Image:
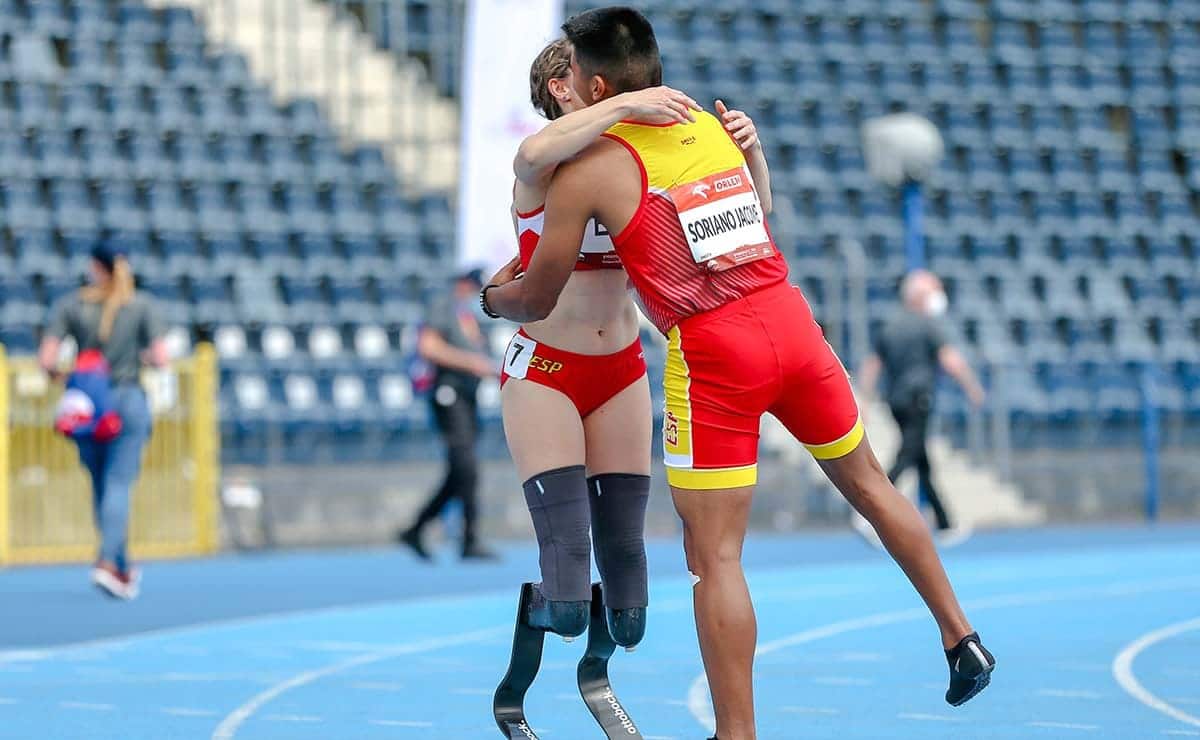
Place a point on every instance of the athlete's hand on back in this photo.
(739, 125)
(656, 102)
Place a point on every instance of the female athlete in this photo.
(575, 397)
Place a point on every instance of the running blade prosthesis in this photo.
(508, 705)
(594, 686)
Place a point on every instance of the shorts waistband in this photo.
(634, 348)
(736, 305)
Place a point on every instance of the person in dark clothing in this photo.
(452, 342)
(909, 353)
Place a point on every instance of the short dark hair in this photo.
(618, 44)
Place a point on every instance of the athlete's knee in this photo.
(705, 561)
(618, 507)
(558, 505)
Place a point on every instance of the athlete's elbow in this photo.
(526, 164)
(538, 307)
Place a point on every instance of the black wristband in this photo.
(483, 302)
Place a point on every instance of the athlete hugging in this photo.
(682, 195)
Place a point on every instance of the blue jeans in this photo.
(114, 467)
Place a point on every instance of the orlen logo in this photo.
(728, 183)
(618, 712)
(701, 190)
(524, 728)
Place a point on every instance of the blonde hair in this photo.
(553, 63)
(119, 292)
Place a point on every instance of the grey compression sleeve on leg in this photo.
(618, 502)
(558, 505)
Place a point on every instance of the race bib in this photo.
(722, 220)
(518, 356)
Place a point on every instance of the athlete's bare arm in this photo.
(745, 134)
(565, 137)
(601, 183)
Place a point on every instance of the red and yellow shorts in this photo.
(727, 367)
(589, 381)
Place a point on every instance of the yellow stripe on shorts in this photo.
(841, 447)
(711, 480)
(677, 416)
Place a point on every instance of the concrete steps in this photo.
(301, 49)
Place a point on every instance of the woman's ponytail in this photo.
(117, 293)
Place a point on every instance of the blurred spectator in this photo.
(453, 343)
(125, 326)
(908, 353)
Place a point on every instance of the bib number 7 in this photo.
(518, 355)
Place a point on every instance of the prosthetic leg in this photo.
(536, 615)
(508, 705)
(592, 674)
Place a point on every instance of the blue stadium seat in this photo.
(283, 164)
(179, 27)
(185, 65)
(148, 157)
(172, 112)
(195, 161)
(136, 64)
(136, 23)
(91, 21)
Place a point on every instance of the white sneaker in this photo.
(114, 583)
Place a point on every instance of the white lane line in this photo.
(229, 726)
(1185, 733)
(86, 706)
(104, 645)
(918, 717)
(292, 718)
(1064, 726)
(399, 723)
(1122, 669)
(698, 699)
(1070, 694)
(188, 712)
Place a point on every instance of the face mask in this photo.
(937, 304)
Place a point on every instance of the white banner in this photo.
(502, 39)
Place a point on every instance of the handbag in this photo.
(87, 409)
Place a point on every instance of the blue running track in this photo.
(1097, 634)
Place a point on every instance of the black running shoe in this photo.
(971, 667)
(412, 538)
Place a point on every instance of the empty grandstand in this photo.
(1063, 219)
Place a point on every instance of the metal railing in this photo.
(46, 510)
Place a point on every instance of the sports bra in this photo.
(596, 252)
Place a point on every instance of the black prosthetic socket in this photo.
(557, 501)
(618, 504)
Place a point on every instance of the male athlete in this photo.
(689, 228)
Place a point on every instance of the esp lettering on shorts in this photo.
(537, 362)
(671, 429)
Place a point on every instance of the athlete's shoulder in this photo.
(596, 158)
